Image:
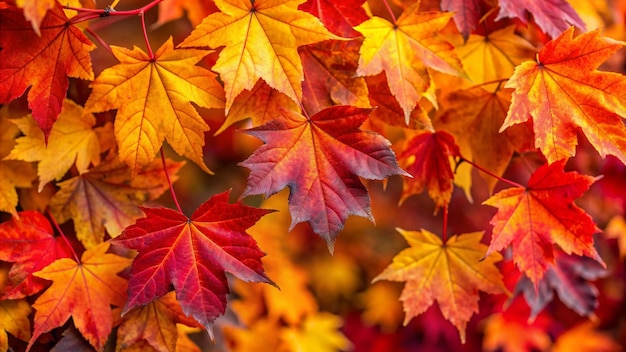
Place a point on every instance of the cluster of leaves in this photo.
(480, 104)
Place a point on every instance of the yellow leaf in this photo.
(451, 273)
(617, 229)
(405, 50)
(318, 333)
(14, 320)
(585, 338)
(261, 40)
(153, 96)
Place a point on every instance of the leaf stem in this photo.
(393, 16)
(444, 230)
(67, 242)
(145, 35)
(169, 182)
(100, 40)
(512, 183)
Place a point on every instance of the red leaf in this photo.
(28, 242)
(320, 159)
(552, 16)
(41, 62)
(339, 16)
(426, 158)
(466, 14)
(193, 254)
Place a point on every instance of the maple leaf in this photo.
(14, 174)
(426, 157)
(85, 291)
(552, 16)
(320, 159)
(72, 141)
(405, 50)
(329, 79)
(562, 91)
(511, 335)
(569, 276)
(28, 242)
(466, 14)
(473, 116)
(318, 333)
(35, 11)
(154, 323)
(196, 10)
(193, 254)
(262, 104)
(585, 337)
(14, 320)
(493, 56)
(250, 30)
(42, 63)
(451, 273)
(534, 218)
(339, 16)
(153, 96)
(107, 197)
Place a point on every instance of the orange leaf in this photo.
(85, 291)
(585, 338)
(320, 159)
(41, 62)
(153, 97)
(512, 335)
(405, 50)
(426, 157)
(563, 91)
(14, 320)
(319, 332)
(451, 273)
(261, 40)
(534, 218)
(72, 141)
(107, 197)
(154, 323)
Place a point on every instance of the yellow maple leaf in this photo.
(405, 50)
(450, 272)
(14, 320)
(153, 96)
(72, 141)
(317, 333)
(261, 40)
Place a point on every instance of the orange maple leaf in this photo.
(153, 96)
(451, 273)
(562, 91)
(404, 50)
(41, 62)
(261, 40)
(534, 218)
(84, 290)
(14, 320)
(320, 159)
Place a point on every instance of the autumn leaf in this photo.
(553, 17)
(534, 218)
(261, 104)
(493, 56)
(72, 141)
(339, 16)
(261, 336)
(451, 273)
(193, 254)
(426, 157)
(570, 277)
(585, 337)
(153, 96)
(381, 306)
(616, 228)
(473, 116)
(329, 76)
(14, 320)
(511, 335)
(320, 159)
(28, 242)
(250, 30)
(562, 91)
(154, 323)
(82, 290)
(41, 62)
(107, 197)
(466, 14)
(317, 333)
(404, 50)
(196, 10)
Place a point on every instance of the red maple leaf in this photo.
(193, 254)
(339, 16)
(320, 159)
(42, 63)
